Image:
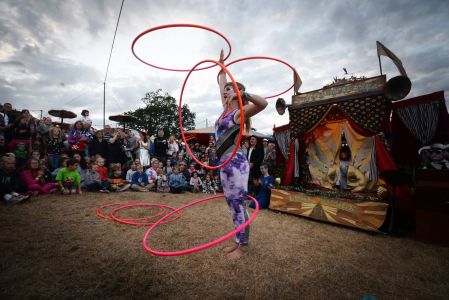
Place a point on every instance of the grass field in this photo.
(55, 247)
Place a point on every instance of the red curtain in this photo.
(289, 169)
(405, 203)
(384, 162)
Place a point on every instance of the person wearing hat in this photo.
(437, 157)
(269, 158)
(265, 147)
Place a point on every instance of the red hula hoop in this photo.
(98, 211)
(242, 117)
(178, 25)
(129, 221)
(201, 247)
(269, 58)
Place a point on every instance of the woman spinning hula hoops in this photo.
(234, 176)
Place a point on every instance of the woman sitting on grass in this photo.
(33, 179)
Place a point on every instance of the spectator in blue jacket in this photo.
(140, 180)
(176, 181)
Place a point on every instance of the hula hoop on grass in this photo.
(201, 247)
(98, 211)
(242, 117)
(177, 25)
(269, 58)
(129, 221)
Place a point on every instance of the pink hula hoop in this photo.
(201, 247)
(269, 58)
(129, 221)
(242, 117)
(177, 25)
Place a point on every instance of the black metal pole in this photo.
(104, 104)
(380, 65)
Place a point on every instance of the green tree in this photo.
(161, 111)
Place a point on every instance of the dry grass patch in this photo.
(55, 247)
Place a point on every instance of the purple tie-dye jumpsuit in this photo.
(234, 180)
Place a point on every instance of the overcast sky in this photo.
(53, 54)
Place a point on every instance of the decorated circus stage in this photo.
(368, 214)
(381, 140)
(349, 115)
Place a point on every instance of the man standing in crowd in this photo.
(160, 146)
(255, 158)
(107, 133)
(6, 121)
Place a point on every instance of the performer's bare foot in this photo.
(237, 253)
(229, 249)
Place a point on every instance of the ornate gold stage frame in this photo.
(367, 215)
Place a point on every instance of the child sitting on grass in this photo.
(217, 183)
(92, 181)
(130, 173)
(140, 180)
(168, 167)
(103, 171)
(116, 182)
(209, 185)
(62, 164)
(177, 181)
(195, 183)
(68, 179)
(162, 182)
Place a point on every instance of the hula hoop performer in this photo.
(234, 176)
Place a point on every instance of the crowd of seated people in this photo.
(40, 157)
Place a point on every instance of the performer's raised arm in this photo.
(255, 105)
(222, 80)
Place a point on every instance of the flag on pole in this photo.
(297, 82)
(382, 50)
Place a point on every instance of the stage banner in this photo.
(367, 215)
